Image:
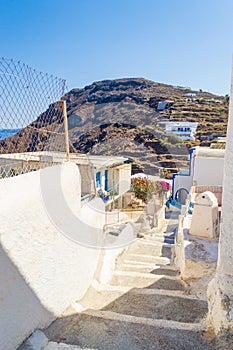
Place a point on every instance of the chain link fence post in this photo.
(64, 113)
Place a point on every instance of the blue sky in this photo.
(180, 42)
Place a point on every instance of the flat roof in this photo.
(57, 157)
(181, 123)
(209, 152)
(106, 161)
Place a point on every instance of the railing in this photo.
(32, 117)
(109, 195)
(113, 191)
(87, 198)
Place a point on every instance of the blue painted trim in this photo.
(106, 180)
(176, 204)
(173, 181)
(182, 188)
(98, 179)
(190, 170)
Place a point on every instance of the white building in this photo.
(112, 179)
(103, 176)
(190, 94)
(51, 249)
(183, 130)
(164, 104)
(205, 169)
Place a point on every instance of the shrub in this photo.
(145, 188)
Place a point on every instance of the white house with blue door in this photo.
(112, 177)
(182, 130)
(205, 169)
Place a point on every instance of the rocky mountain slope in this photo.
(120, 117)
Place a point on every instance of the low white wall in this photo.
(195, 257)
(182, 181)
(179, 247)
(41, 270)
(111, 254)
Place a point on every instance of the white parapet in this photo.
(42, 271)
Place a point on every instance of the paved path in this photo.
(145, 305)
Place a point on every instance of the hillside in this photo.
(120, 117)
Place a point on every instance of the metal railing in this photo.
(32, 117)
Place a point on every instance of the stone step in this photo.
(98, 299)
(105, 330)
(155, 306)
(165, 292)
(136, 274)
(105, 288)
(105, 295)
(147, 250)
(163, 323)
(136, 257)
(145, 267)
(154, 282)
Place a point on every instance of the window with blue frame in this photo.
(97, 178)
(106, 180)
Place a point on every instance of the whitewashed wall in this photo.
(220, 290)
(182, 181)
(205, 171)
(41, 271)
(124, 178)
(208, 171)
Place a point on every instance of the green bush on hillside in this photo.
(171, 139)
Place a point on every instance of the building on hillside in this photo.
(164, 104)
(205, 170)
(190, 94)
(182, 130)
(221, 143)
(106, 177)
(181, 87)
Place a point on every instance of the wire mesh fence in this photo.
(31, 118)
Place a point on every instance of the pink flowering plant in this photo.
(162, 186)
(144, 188)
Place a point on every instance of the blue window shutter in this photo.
(106, 180)
(97, 179)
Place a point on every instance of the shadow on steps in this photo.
(104, 333)
(164, 307)
(167, 283)
(167, 272)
